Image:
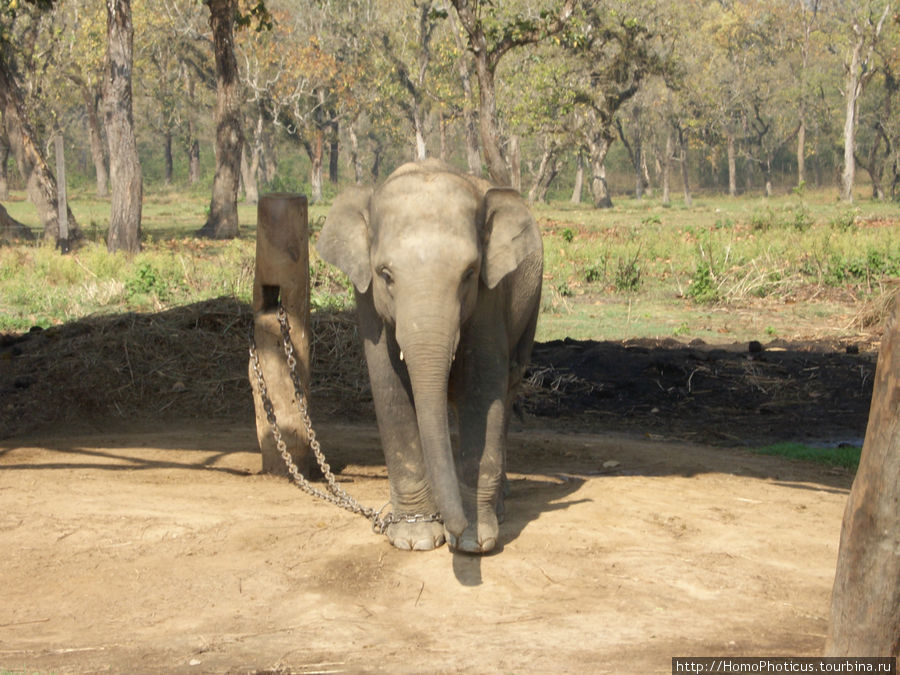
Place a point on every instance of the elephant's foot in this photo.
(480, 536)
(416, 536)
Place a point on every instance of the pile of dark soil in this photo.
(191, 362)
(739, 393)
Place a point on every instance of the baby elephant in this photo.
(447, 271)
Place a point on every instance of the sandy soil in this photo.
(164, 550)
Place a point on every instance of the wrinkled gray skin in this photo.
(447, 272)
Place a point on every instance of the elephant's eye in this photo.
(469, 274)
(386, 274)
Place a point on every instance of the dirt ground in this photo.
(638, 527)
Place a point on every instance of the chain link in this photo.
(335, 495)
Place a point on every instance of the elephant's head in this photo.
(425, 244)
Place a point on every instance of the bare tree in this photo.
(487, 54)
(866, 31)
(40, 181)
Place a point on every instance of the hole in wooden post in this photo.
(270, 298)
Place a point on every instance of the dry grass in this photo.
(186, 362)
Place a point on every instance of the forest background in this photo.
(641, 104)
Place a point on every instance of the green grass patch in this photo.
(726, 269)
(846, 457)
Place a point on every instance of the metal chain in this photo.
(335, 494)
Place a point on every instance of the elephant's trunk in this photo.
(428, 353)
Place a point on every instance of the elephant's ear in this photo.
(512, 235)
(344, 240)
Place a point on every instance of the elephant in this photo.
(447, 272)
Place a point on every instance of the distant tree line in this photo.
(542, 95)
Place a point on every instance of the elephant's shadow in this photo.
(527, 499)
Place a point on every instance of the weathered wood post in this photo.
(282, 278)
(865, 602)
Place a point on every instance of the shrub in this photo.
(628, 274)
(703, 287)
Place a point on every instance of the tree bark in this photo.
(355, 160)
(853, 88)
(865, 602)
(124, 166)
(515, 164)
(39, 179)
(333, 155)
(167, 152)
(667, 167)
(801, 152)
(4, 166)
(419, 126)
(598, 147)
(192, 144)
(682, 142)
(92, 102)
(859, 71)
(315, 151)
(732, 167)
(222, 222)
(578, 187)
(250, 162)
(545, 174)
(487, 121)
(487, 96)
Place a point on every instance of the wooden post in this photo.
(282, 277)
(865, 603)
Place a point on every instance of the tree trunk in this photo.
(355, 160)
(545, 174)
(865, 602)
(124, 166)
(682, 142)
(487, 121)
(167, 150)
(442, 130)
(859, 71)
(249, 170)
(768, 175)
(92, 102)
(193, 159)
(515, 164)
(333, 155)
(39, 179)
(192, 144)
(598, 147)
(250, 161)
(418, 125)
(62, 200)
(222, 222)
(667, 167)
(801, 152)
(578, 187)
(4, 166)
(377, 156)
(635, 152)
(853, 87)
(315, 151)
(732, 167)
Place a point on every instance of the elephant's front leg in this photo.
(410, 493)
(482, 409)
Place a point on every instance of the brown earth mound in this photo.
(191, 362)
